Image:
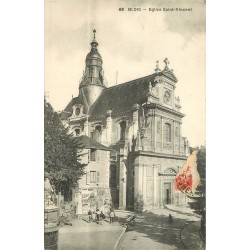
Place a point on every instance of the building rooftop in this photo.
(122, 97)
(87, 142)
(119, 98)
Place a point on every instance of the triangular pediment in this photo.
(170, 74)
(169, 172)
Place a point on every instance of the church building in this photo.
(139, 124)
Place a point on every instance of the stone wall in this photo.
(92, 195)
(150, 175)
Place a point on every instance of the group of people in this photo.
(97, 216)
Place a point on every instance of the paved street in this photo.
(153, 231)
(89, 236)
(190, 234)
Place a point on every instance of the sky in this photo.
(130, 42)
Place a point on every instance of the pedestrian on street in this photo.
(170, 218)
(89, 216)
(102, 217)
(112, 215)
(98, 215)
(93, 216)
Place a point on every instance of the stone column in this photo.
(109, 127)
(161, 192)
(122, 181)
(173, 133)
(162, 134)
(138, 145)
(144, 190)
(135, 119)
(153, 131)
(136, 181)
(155, 183)
(186, 147)
(179, 134)
(86, 127)
(173, 136)
(139, 179)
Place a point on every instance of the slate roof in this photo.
(122, 97)
(119, 98)
(67, 112)
(87, 142)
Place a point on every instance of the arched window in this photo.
(167, 132)
(77, 131)
(77, 111)
(98, 128)
(96, 134)
(122, 130)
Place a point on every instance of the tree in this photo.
(198, 203)
(61, 157)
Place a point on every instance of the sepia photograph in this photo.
(124, 124)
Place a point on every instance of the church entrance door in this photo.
(167, 193)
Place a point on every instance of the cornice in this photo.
(158, 106)
(160, 155)
(77, 118)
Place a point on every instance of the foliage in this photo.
(61, 155)
(198, 204)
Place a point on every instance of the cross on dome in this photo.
(94, 43)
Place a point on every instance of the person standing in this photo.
(93, 216)
(98, 215)
(89, 215)
(112, 215)
(102, 217)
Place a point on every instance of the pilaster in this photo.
(173, 136)
(155, 183)
(86, 127)
(144, 189)
(162, 134)
(109, 127)
(122, 182)
(135, 119)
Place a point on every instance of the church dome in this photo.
(94, 54)
(94, 74)
(94, 57)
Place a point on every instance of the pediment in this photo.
(168, 172)
(170, 74)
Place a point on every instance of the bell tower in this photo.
(92, 82)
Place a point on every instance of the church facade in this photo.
(140, 123)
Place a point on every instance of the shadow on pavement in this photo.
(157, 228)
